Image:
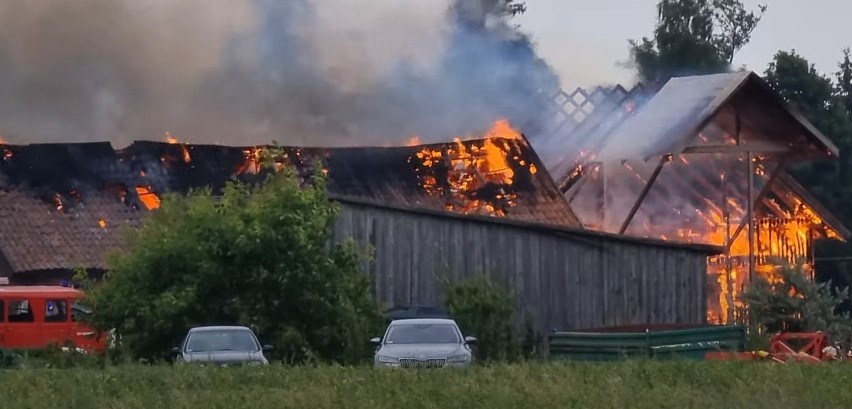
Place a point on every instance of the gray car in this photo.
(223, 346)
(423, 343)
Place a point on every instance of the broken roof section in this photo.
(742, 101)
(626, 141)
(61, 205)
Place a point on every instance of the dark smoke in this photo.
(252, 71)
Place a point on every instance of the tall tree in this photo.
(693, 37)
(823, 102)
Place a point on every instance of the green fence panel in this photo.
(691, 343)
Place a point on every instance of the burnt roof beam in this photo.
(663, 160)
(754, 147)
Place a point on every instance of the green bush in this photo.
(638, 385)
(486, 311)
(796, 303)
(256, 256)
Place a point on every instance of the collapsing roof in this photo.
(643, 144)
(61, 204)
(669, 122)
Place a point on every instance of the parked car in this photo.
(423, 343)
(33, 317)
(401, 312)
(221, 345)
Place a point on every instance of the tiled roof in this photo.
(97, 183)
(34, 235)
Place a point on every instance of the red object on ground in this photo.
(781, 347)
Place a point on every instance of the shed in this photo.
(62, 205)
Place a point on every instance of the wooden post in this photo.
(750, 217)
(763, 192)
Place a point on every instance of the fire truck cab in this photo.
(38, 316)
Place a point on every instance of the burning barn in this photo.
(700, 160)
(468, 207)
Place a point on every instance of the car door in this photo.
(22, 328)
(55, 325)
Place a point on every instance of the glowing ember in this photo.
(6, 152)
(102, 223)
(57, 202)
(148, 197)
(480, 176)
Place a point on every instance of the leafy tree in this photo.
(486, 311)
(822, 101)
(793, 302)
(256, 256)
(693, 37)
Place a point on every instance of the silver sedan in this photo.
(423, 343)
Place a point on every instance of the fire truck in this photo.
(33, 317)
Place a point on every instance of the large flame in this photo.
(686, 205)
(480, 174)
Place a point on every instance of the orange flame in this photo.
(472, 166)
(252, 161)
(172, 140)
(102, 223)
(148, 197)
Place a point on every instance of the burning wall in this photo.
(686, 164)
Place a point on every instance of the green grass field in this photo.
(655, 385)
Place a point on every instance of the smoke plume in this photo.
(301, 72)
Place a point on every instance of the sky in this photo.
(585, 40)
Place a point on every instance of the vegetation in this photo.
(486, 311)
(633, 384)
(793, 302)
(694, 37)
(258, 256)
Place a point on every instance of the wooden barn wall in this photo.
(561, 282)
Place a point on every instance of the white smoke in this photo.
(305, 72)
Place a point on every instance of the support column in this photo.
(750, 218)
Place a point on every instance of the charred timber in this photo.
(663, 160)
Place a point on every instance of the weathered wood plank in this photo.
(560, 282)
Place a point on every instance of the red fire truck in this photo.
(39, 316)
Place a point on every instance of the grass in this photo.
(655, 385)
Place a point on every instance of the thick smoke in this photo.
(306, 72)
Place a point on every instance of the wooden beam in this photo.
(663, 160)
(750, 216)
(754, 147)
(760, 196)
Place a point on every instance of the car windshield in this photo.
(222, 340)
(422, 334)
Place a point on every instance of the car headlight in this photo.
(458, 359)
(387, 359)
